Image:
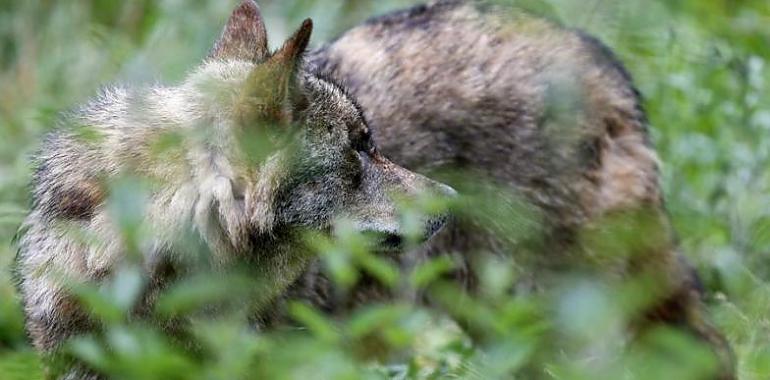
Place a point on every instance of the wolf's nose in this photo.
(385, 240)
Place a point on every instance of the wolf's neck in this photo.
(226, 200)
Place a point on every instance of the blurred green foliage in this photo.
(703, 67)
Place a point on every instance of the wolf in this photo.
(243, 205)
(539, 110)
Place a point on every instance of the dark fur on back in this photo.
(544, 111)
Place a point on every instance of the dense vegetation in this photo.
(703, 67)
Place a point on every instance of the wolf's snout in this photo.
(379, 208)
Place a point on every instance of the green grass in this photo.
(702, 66)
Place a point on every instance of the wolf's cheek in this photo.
(312, 204)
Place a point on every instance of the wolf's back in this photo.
(544, 111)
(514, 98)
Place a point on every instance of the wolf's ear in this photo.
(244, 36)
(270, 92)
(292, 50)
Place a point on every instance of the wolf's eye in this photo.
(365, 146)
(361, 140)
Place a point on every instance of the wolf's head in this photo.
(314, 159)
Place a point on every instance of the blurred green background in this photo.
(702, 66)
